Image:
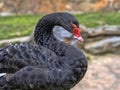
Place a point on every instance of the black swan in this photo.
(49, 64)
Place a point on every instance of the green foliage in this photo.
(17, 26)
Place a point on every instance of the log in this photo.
(106, 45)
(103, 31)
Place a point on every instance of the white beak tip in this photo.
(79, 38)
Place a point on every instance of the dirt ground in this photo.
(103, 74)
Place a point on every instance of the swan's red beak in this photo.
(76, 33)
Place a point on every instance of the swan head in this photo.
(71, 24)
(64, 19)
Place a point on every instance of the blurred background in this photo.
(100, 28)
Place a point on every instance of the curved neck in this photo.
(44, 36)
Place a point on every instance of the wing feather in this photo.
(17, 56)
(43, 78)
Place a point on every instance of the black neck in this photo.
(43, 34)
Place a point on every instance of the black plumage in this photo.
(1, 57)
(48, 64)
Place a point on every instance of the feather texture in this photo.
(17, 56)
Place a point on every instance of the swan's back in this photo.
(17, 56)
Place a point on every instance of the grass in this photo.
(17, 26)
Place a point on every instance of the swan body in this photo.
(48, 64)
